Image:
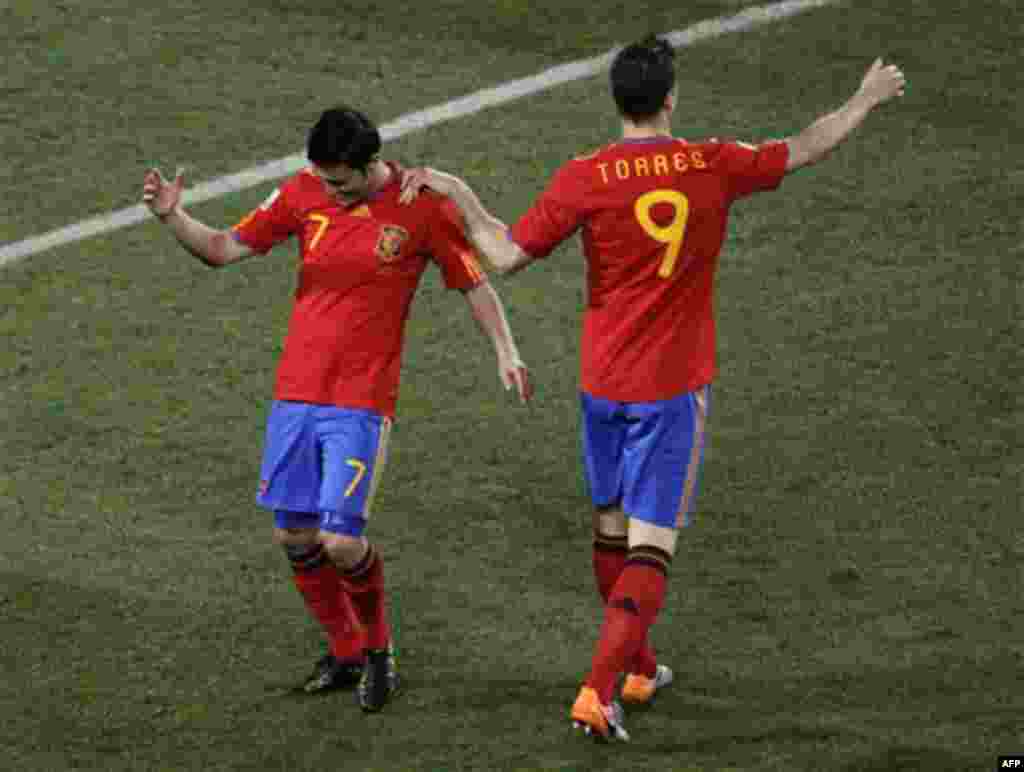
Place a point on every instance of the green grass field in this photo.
(851, 598)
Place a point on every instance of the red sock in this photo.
(644, 661)
(609, 559)
(320, 585)
(632, 607)
(366, 585)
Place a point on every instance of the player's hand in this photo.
(882, 82)
(414, 180)
(513, 372)
(161, 196)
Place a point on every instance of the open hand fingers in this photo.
(413, 181)
(518, 377)
(523, 384)
(151, 185)
(895, 79)
(884, 81)
(160, 195)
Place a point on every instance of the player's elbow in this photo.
(222, 250)
(211, 261)
(803, 151)
(501, 253)
(502, 267)
(504, 262)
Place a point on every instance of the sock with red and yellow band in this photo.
(326, 598)
(632, 607)
(610, 553)
(365, 583)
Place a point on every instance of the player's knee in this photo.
(658, 537)
(305, 557)
(302, 548)
(610, 523)
(344, 550)
(295, 536)
(647, 554)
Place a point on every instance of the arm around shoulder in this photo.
(486, 232)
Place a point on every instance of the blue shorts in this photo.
(645, 456)
(321, 465)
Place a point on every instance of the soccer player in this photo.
(652, 209)
(361, 258)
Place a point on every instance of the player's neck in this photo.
(378, 175)
(659, 127)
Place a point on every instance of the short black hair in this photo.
(642, 76)
(343, 135)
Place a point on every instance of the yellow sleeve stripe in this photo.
(245, 220)
(469, 260)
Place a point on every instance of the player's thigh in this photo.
(665, 452)
(603, 436)
(354, 448)
(290, 470)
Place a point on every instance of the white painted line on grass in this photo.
(449, 111)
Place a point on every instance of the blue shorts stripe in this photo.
(691, 476)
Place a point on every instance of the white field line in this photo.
(449, 111)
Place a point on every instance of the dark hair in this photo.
(642, 76)
(343, 135)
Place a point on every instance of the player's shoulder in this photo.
(303, 191)
(589, 155)
(301, 184)
(578, 168)
(426, 208)
(305, 180)
(389, 196)
(729, 145)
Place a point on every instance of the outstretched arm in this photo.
(216, 248)
(880, 84)
(487, 233)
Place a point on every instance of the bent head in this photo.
(342, 146)
(643, 80)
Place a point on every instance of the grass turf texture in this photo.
(851, 597)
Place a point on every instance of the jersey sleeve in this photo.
(270, 223)
(460, 266)
(750, 169)
(554, 216)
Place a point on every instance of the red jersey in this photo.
(653, 214)
(359, 269)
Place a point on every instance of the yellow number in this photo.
(671, 234)
(360, 468)
(322, 222)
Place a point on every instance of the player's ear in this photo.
(670, 101)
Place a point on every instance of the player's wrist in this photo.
(508, 354)
(863, 100)
(172, 212)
